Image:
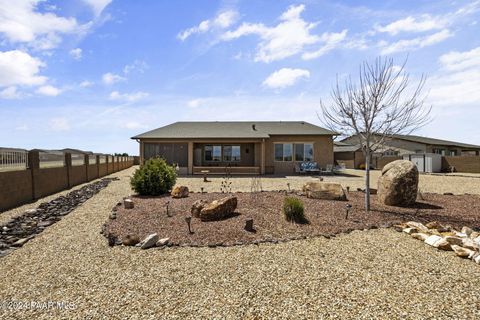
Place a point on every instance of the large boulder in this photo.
(325, 191)
(218, 209)
(398, 184)
(179, 192)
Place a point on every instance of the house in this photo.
(399, 145)
(346, 155)
(244, 147)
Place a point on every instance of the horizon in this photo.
(91, 74)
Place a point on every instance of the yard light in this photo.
(201, 189)
(166, 206)
(347, 207)
(188, 220)
(288, 186)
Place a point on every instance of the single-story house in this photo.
(244, 147)
(348, 155)
(399, 145)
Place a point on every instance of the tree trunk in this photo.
(367, 182)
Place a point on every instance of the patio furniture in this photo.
(328, 169)
(205, 173)
(307, 167)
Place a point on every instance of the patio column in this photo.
(190, 158)
(141, 152)
(262, 158)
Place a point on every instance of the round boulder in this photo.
(398, 184)
(179, 192)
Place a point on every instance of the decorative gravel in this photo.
(325, 217)
(376, 274)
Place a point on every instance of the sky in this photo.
(90, 74)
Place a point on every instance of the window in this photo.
(303, 152)
(213, 153)
(453, 152)
(390, 153)
(283, 152)
(231, 153)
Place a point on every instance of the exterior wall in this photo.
(77, 175)
(322, 152)
(470, 164)
(102, 169)
(351, 160)
(49, 180)
(15, 188)
(380, 162)
(246, 159)
(92, 172)
(402, 146)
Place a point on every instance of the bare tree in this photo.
(380, 105)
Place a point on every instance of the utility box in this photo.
(425, 162)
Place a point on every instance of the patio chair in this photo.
(309, 167)
(328, 169)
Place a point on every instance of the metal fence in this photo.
(51, 159)
(11, 160)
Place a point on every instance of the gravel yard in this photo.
(432, 183)
(366, 274)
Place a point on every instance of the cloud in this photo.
(330, 40)
(76, 53)
(137, 65)
(134, 125)
(97, 5)
(415, 43)
(128, 97)
(48, 90)
(195, 103)
(86, 84)
(20, 22)
(10, 93)
(111, 78)
(424, 23)
(59, 124)
(456, 61)
(19, 68)
(285, 77)
(223, 20)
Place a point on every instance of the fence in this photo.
(29, 175)
(465, 164)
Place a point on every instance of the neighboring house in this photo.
(261, 147)
(400, 145)
(347, 155)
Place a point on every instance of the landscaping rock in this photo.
(149, 241)
(398, 184)
(128, 203)
(324, 191)
(463, 252)
(434, 225)
(432, 240)
(417, 225)
(219, 209)
(197, 207)
(20, 242)
(468, 231)
(443, 244)
(179, 192)
(476, 258)
(162, 242)
(454, 240)
(470, 244)
(410, 230)
(130, 240)
(420, 236)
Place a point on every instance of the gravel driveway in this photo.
(366, 274)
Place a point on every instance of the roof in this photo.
(432, 141)
(233, 129)
(339, 146)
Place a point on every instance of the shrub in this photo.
(155, 177)
(293, 210)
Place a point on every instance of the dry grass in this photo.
(376, 274)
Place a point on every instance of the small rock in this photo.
(463, 252)
(454, 240)
(113, 215)
(149, 241)
(431, 240)
(448, 194)
(474, 235)
(443, 244)
(470, 244)
(20, 242)
(467, 231)
(162, 242)
(420, 236)
(434, 225)
(417, 225)
(410, 230)
(179, 192)
(476, 258)
(461, 235)
(130, 240)
(128, 203)
(31, 211)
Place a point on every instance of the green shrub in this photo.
(293, 210)
(155, 177)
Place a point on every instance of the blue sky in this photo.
(90, 74)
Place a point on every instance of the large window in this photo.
(231, 153)
(213, 153)
(303, 152)
(283, 151)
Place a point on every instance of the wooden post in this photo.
(190, 157)
(68, 164)
(34, 167)
(262, 156)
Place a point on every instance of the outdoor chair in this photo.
(328, 169)
(307, 167)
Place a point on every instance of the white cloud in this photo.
(223, 20)
(134, 125)
(59, 124)
(20, 22)
(111, 78)
(137, 65)
(415, 43)
(410, 24)
(285, 77)
(330, 40)
(10, 93)
(98, 5)
(19, 68)
(128, 97)
(48, 90)
(76, 53)
(195, 103)
(455, 60)
(86, 84)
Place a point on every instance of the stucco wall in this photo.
(15, 188)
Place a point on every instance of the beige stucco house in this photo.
(244, 147)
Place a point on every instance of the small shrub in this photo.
(155, 177)
(293, 210)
